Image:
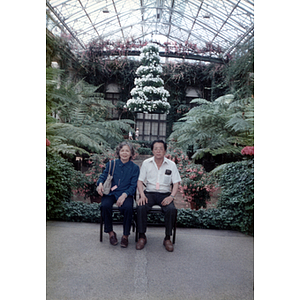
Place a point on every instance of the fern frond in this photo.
(218, 127)
(200, 101)
(75, 136)
(65, 149)
(226, 99)
(238, 123)
(229, 149)
(82, 124)
(219, 169)
(241, 103)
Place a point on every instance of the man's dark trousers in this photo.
(169, 211)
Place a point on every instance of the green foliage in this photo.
(239, 72)
(77, 212)
(144, 151)
(85, 183)
(196, 183)
(237, 182)
(59, 48)
(187, 218)
(59, 174)
(80, 124)
(213, 218)
(98, 71)
(222, 126)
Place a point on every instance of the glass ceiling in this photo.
(223, 23)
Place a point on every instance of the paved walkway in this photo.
(206, 264)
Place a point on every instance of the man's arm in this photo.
(143, 199)
(175, 189)
(170, 198)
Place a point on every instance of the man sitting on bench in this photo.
(157, 173)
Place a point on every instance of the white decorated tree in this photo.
(149, 94)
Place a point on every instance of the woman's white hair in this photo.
(121, 145)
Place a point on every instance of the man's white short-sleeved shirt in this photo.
(159, 180)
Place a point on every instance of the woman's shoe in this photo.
(124, 242)
(113, 239)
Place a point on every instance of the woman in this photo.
(123, 188)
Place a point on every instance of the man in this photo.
(157, 174)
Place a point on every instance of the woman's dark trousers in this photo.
(126, 210)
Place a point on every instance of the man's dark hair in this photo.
(159, 141)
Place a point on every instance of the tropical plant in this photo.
(223, 126)
(76, 117)
(149, 95)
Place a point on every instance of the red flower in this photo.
(47, 142)
(248, 150)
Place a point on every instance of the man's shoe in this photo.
(141, 243)
(113, 239)
(168, 245)
(124, 242)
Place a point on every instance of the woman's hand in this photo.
(100, 189)
(121, 200)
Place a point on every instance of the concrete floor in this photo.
(206, 264)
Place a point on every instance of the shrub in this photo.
(188, 218)
(144, 151)
(237, 196)
(77, 212)
(205, 218)
(59, 174)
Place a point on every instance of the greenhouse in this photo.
(174, 72)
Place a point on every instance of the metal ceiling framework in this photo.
(223, 23)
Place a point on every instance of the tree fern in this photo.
(225, 125)
(79, 117)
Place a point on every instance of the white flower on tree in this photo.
(149, 94)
